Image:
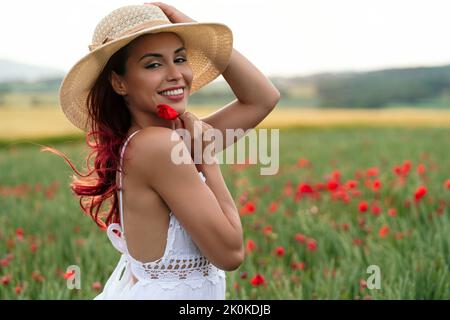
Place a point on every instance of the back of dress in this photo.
(183, 272)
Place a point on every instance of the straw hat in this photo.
(208, 45)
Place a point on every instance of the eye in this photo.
(152, 66)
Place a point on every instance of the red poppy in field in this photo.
(280, 251)
(336, 175)
(421, 169)
(250, 245)
(447, 184)
(351, 184)
(166, 112)
(320, 186)
(392, 212)
(18, 289)
(398, 170)
(332, 184)
(273, 206)
(69, 274)
(376, 185)
(362, 207)
(302, 162)
(298, 265)
(372, 172)
(267, 230)
(406, 166)
(5, 280)
(375, 209)
(420, 192)
(300, 238)
(4, 262)
(97, 286)
(19, 234)
(257, 280)
(37, 276)
(311, 244)
(248, 208)
(304, 188)
(384, 231)
(33, 247)
(288, 188)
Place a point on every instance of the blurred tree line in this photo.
(374, 89)
(380, 88)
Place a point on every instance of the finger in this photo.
(188, 123)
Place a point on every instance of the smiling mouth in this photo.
(183, 90)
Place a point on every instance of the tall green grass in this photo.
(35, 196)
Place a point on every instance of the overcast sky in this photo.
(281, 37)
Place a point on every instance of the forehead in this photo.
(164, 43)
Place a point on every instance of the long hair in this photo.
(110, 119)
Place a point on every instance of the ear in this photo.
(118, 84)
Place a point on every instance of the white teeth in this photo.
(172, 92)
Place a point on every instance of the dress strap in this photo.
(121, 181)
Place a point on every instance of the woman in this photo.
(130, 93)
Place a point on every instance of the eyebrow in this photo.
(158, 55)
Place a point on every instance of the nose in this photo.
(173, 72)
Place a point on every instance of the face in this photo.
(156, 62)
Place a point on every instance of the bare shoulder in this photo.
(155, 155)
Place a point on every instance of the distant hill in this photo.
(11, 71)
(424, 87)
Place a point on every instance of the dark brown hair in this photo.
(111, 121)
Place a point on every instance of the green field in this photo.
(327, 243)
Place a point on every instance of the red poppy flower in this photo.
(19, 233)
(420, 192)
(392, 212)
(166, 112)
(376, 185)
(5, 279)
(300, 237)
(332, 184)
(363, 206)
(267, 230)
(311, 245)
(351, 184)
(69, 274)
(97, 286)
(447, 184)
(304, 188)
(384, 230)
(250, 245)
(279, 251)
(421, 169)
(257, 280)
(273, 207)
(372, 172)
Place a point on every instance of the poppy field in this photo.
(344, 201)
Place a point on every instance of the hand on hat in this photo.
(174, 15)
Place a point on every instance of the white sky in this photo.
(281, 37)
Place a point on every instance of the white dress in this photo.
(181, 273)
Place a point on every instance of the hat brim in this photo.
(209, 47)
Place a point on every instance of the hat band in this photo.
(135, 29)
